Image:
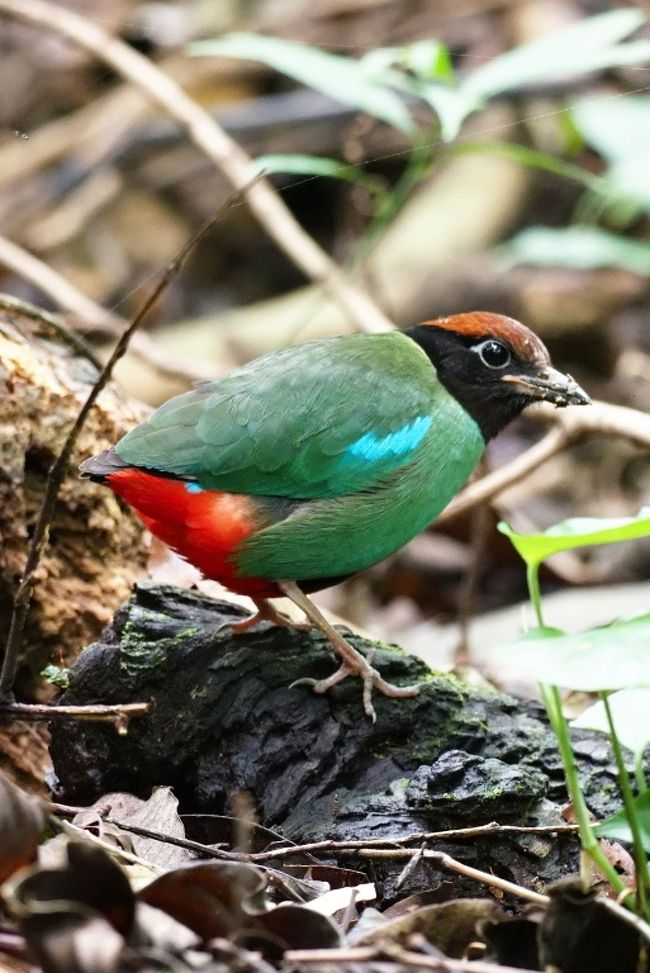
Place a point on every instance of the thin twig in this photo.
(451, 865)
(367, 954)
(119, 714)
(81, 834)
(453, 834)
(330, 845)
(60, 466)
(410, 867)
(236, 165)
(360, 849)
(207, 850)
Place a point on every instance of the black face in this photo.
(490, 379)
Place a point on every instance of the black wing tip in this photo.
(98, 467)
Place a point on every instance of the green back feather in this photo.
(283, 425)
(316, 424)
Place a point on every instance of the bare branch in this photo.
(118, 714)
(93, 315)
(449, 864)
(232, 160)
(599, 419)
(388, 951)
(57, 287)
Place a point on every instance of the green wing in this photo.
(321, 419)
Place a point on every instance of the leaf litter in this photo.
(71, 906)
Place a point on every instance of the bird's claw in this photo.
(303, 681)
(371, 680)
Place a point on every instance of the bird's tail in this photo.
(98, 467)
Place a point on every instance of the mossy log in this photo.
(226, 719)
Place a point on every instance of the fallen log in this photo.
(227, 720)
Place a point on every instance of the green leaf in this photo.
(317, 165)
(617, 826)
(428, 60)
(451, 105)
(339, 77)
(618, 127)
(591, 44)
(630, 709)
(577, 532)
(577, 247)
(628, 179)
(534, 158)
(616, 656)
(588, 45)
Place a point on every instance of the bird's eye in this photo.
(493, 354)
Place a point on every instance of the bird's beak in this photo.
(549, 385)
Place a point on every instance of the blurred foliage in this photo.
(618, 128)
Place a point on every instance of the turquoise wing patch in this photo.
(372, 448)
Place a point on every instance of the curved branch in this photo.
(94, 316)
(599, 419)
(233, 161)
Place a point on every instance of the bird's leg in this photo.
(266, 612)
(353, 664)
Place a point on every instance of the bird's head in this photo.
(494, 366)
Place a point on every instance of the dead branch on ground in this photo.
(207, 135)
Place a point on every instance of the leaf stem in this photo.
(643, 875)
(553, 703)
(532, 577)
(639, 773)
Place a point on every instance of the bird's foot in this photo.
(353, 663)
(371, 680)
(266, 612)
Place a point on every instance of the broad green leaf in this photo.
(617, 826)
(616, 656)
(428, 60)
(628, 179)
(630, 709)
(617, 126)
(577, 532)
(339, 77)
(619, 129)
(446, 99)
(316, 165)
(588, 45)
(451, 105)
(578, 247)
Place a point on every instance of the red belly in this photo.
(204, 527)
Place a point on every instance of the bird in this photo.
(312, 463)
